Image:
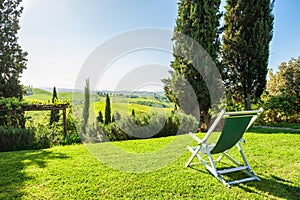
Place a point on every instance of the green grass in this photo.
(71, 172)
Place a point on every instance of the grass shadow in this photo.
(13, 166)
(199, 167)
(275, 186)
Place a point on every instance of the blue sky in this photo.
(59, 35)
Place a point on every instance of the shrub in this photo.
(281, 109)
(112, 132)
(14, 139)
(148, 126)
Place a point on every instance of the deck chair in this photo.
(235, 124)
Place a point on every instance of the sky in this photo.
(60, 35)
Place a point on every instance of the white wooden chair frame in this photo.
(204, 148)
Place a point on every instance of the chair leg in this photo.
(243, 155)
(194, 153)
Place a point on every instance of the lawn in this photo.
(72, 172)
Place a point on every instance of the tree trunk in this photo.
(248, 102)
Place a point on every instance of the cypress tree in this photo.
(100, 117)
(248, 32)
(54, 117)
(113, 118)
(86, 107)
(199, 20)
(107, 111)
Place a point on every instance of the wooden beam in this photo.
(37, 107)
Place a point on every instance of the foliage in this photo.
(11, 114)
(281, 108)
(107, 110)
(282, 99)
(112, 132)
(14, 139)
(12, 57)
(198, 20)
(86, 108)
(54, 116)
(287, 80)
(148, 126)
(72, 133)
(248, 32)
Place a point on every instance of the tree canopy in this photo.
(12, 57)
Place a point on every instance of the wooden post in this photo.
(65, 121)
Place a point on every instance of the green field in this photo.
(71, 172)
(119, 103)
(126, 108)
(46, 96)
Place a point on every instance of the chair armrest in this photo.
(195, 137)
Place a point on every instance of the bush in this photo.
(71, 139)
(148, 126)
(72, 136)
(14, 139)
(113, 132)
(279, 109)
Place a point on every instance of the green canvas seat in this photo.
(235, 125)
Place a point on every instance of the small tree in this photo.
(107, 111)
(100, 117)
(54, 117)
(86, 107)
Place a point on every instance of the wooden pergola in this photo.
(41, 107)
